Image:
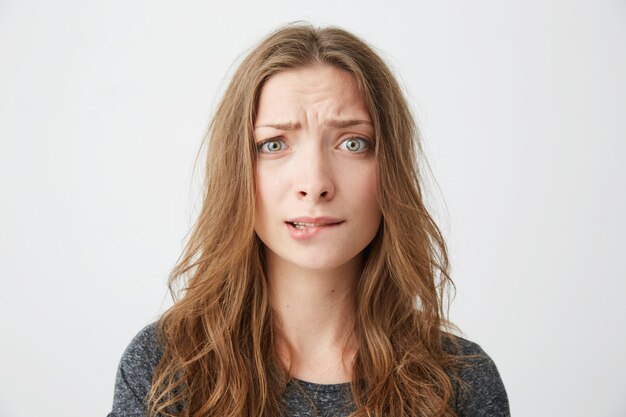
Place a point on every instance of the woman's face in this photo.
(315, 166)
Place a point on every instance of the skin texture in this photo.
(315, 169)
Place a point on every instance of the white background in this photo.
(523, 110)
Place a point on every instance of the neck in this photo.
(314, 314)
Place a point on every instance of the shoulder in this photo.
(141, 356)
(144, 347)
(134, 373)
(481, 391)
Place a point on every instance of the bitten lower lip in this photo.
(309, 232)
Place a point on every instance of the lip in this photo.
(325, 224)
(316, 220)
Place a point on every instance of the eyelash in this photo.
(276, 139)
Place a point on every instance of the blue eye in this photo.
(273, 145)
(355, 144)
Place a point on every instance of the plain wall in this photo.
(522, 106)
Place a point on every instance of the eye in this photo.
(272, 145)
(355, 144)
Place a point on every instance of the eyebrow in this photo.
(330, 123)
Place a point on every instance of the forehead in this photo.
(320, 88)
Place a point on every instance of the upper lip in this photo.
(315, 220)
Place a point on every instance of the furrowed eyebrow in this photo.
(281, 126)
(330, 123)
(347, 123)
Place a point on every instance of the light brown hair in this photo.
(218, 339)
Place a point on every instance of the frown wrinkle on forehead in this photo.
(320, 95)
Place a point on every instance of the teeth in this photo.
(301, 225)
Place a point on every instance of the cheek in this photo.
(372, 186)
(366, 183)
(371, 202)
(374, 214)
(266, 190)
(362, 190)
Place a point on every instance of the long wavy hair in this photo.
(218, 339)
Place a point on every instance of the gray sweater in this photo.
(485, 396)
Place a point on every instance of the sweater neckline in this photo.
(313, 386)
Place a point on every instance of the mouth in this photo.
(304, 225)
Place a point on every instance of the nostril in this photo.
(322, 194)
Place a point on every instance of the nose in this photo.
(314, 178)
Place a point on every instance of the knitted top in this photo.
(484, 395)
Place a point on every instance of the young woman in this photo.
(314, 277)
